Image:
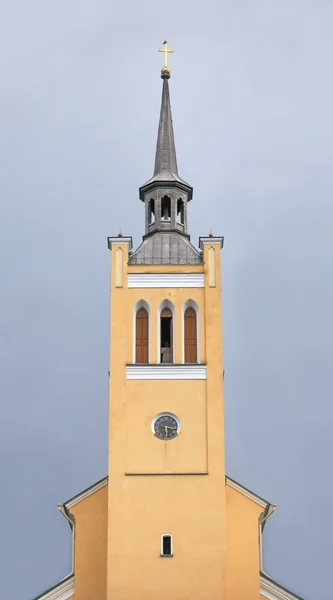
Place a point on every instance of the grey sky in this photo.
(251, 93)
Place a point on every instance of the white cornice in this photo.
(166, 280)
(62, 591)
(211, 240)
(236, 486)
(272, 591)
(120, 240)
(86, 493)
(166, 371)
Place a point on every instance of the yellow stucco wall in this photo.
(242, 579)
(158, 487)
(243, 561)
(90, 546)
(188, 451)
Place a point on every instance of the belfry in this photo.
(166, 522)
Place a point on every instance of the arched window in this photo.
(190, 336)
(166, 209)
(180, 211)
(151, 211)
(141, 336)
(191, 332)
(166, 335)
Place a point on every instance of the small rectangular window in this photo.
(166, 545)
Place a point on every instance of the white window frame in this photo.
(140, 304)
(191, 304)
(170, 536)
(166, 304)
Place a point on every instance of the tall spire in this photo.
(166, 196)
(165, 157)
(166, 170)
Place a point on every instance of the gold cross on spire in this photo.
(166, 50)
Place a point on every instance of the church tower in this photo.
(166, 491)
(166, 523)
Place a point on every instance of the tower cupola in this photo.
(165, 195)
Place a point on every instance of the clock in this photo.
(165, 426)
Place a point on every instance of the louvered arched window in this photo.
(142, 334)
(190, 336)
(166, 330)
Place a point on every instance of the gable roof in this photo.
(103, 482)
(86, 493)
(248, 493)
(274, 591)
(269, 588)
(62, 590)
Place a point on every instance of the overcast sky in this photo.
(251, 93)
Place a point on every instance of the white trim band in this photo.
(88, 492)
(239, 488)
(166, 280)
(120, 240)
(272, 591)
(62, 591)
(166, 372)
(211, 240)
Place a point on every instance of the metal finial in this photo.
(165, 71)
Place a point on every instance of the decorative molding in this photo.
(86, 493)
(61, 591)
(239, 488)
(211, 267)
(166, 280)
(166, 371)
(120, 240)
(211, 240)
(272, 591)
(119, 267)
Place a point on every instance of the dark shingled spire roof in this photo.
(165, 157)
(166, 170)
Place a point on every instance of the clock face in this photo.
(165, 427)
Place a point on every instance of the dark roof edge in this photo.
(247, 490)
(281, 587)
(55, 586)
(104, 480)
(101, 481)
